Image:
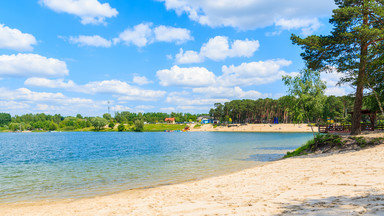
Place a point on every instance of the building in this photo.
(205, 119)
(170, 120)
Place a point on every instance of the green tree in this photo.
(98, 122)
(354, 47)
(111, 125)
(53, 126)
(5, 119)
(121, 127)
(309, 91)
(139, 125)
(107, 116)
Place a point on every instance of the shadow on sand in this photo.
(360, 205)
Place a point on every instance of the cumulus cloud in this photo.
(90, 11)
(30, 65)
(171, 34)
(225, 92)
(248, 14)
(94, 40)
(143, 34)
(18, 100)
(253, 73)
(332, 79)
(140, 35)
(246, 74)
(307, 26)
(141, 80)
(184, 101)
(219, 48)
(25, 94)
(193, 76)
(48, 83)
(14, 39)
(118, 89)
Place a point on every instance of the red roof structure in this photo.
(170, 120)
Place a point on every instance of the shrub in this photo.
(121, 127)
(197, 126)
(139, 126)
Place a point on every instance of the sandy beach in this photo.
(257, 128)
(336, 184)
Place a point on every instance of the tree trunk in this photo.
(356, 118)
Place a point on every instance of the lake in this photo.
(49, 166)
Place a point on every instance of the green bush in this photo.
(197, 126)
(121, 127)
(139, 126)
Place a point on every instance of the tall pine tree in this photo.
(354, 47)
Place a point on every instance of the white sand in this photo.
(339, 184)
(257, 128)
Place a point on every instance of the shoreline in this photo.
(345, 183)
(270, 128)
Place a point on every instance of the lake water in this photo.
(41, 166)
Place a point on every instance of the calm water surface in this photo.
(39, 166)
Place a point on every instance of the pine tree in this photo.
(354, 47)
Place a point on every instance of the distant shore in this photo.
(334, 184)
(256, 128)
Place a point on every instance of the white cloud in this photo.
(144, 107)
(246, 74)
(141, 80)
(168, 109)
(336, 91)
(141, 35)
(186, 101)
(94, 40)
(90, 11)
(194, 76)
(224, 92)
(119, 108)
(253, 73)
(332, 79)
(18, 100)
(14, 39)
(218, 48)
(248, 14)
(26, 94)
(47, 83)
(29, 65)
(307, 26)
(122, 90)
(188, 57)
(170, 34)
(7, 105)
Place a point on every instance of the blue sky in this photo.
(73, 56)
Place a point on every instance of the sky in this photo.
(83, 56)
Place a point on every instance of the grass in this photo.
(163, 127)
(322, 141)
(301, 150)
(197, 126)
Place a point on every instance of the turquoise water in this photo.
(48, 166)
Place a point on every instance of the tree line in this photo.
(47, 122)
(287, 109)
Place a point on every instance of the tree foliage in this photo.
(5, 119)
(354, 47)
(98, 122)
